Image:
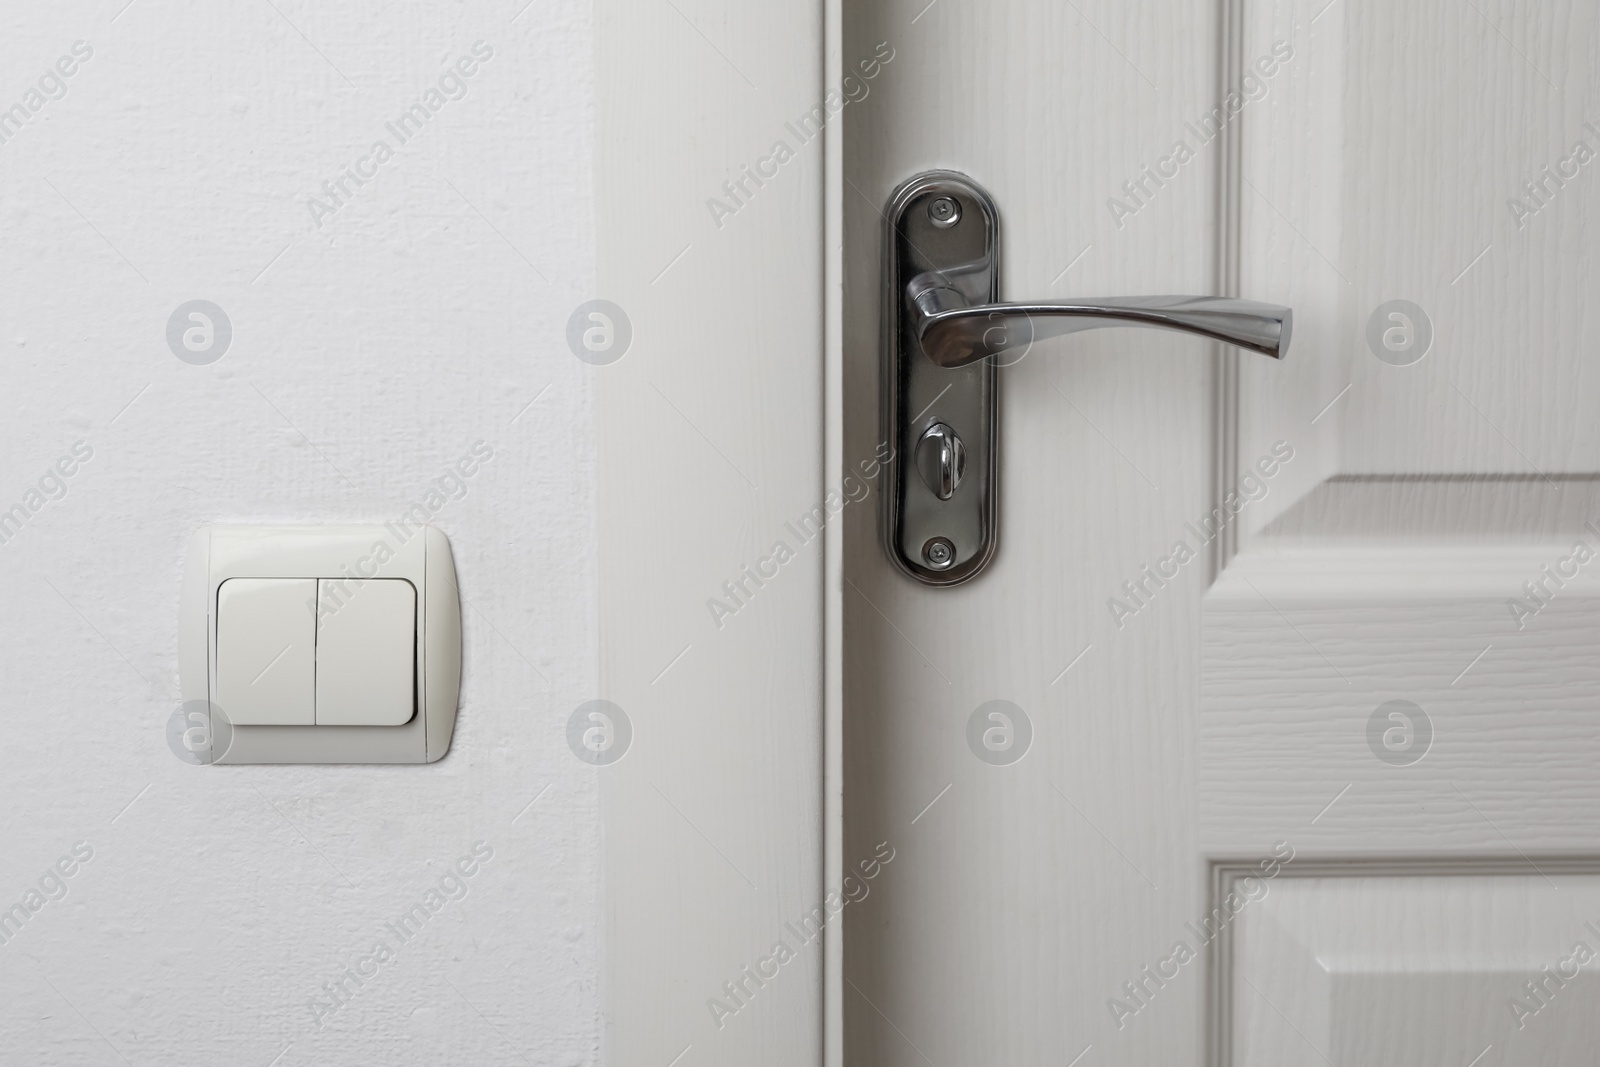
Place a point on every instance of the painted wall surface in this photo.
(377, 335)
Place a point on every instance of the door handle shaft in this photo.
(954, 333)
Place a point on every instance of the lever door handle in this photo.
(954, 333)
(943, 321)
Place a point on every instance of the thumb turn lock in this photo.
(941, 459)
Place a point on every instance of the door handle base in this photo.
(940, 526)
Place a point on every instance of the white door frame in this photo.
(718, 426)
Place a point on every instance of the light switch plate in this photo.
(387, 620)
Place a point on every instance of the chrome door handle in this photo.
(945, 337)
(954, 333)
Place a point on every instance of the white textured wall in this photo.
(368, 354)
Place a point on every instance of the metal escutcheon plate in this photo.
(939, 542)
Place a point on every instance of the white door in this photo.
(1297, 760)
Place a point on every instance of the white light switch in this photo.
(266, 644)
(329, 644)
(366, 652)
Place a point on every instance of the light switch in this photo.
(266, 645)
(366, 652)
(330, 644)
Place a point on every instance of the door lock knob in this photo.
(941, 459)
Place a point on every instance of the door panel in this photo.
(1377, 169)
(1367, 969)
(1357, 597)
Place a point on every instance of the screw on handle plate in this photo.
(939, 553)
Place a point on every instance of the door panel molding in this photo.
(1227, 874)
(1230, 48)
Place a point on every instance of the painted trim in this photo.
(1225, 423)
(833, 546)
(705, 458)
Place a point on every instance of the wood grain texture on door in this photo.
(1399, 665)
(1391, 663)
(1023, 895)
(1441, 965)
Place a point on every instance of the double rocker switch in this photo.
(316, 651)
